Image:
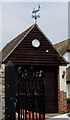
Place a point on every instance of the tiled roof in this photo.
(63, 46)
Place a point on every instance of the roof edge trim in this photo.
(19, 42)
(52, 45)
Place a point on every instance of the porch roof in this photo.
(12, 45)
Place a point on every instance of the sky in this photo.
(15, 17)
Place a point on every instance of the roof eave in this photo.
(66, 62)
(19, 42)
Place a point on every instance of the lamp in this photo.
(63, 74)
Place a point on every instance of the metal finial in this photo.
(35, 15)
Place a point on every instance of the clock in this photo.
(35, 43)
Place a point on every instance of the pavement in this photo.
(59, 116)
(62, 116)
(52, 114)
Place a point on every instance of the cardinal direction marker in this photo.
(35, 15)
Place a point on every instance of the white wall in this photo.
(62, 80)
(67, 57)
(68, 89)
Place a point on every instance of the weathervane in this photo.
(34, 13)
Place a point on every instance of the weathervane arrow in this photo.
(34, 13)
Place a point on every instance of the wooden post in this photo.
(10, 91)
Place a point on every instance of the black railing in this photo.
(25, 96)
(30, 94)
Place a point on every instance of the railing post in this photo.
(10, 90)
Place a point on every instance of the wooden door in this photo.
(51, 90)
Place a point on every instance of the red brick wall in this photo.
(62, 99)
(62, 102)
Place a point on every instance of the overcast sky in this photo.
(17, 16)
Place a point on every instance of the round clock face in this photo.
(36, 43)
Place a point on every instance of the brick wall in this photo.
(62, 102)
(62, 98)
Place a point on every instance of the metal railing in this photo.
(24, 93)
